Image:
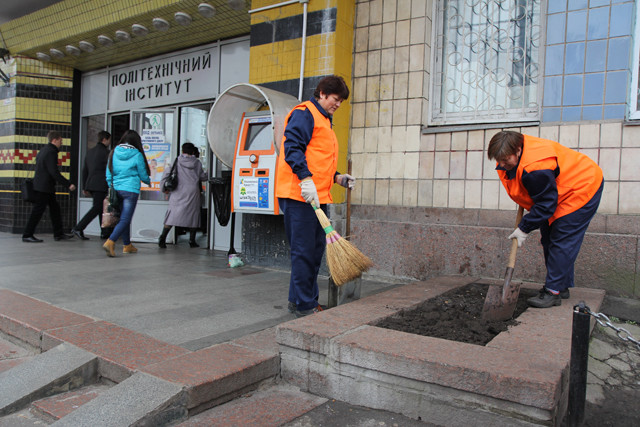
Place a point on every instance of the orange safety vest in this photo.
(322, 159)
(578, 180)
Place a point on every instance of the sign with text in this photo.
(173, 79)
(158, 153)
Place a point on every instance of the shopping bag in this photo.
(110, 215)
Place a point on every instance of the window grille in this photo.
(486, 61)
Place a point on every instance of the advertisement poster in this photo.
(158, 153)
(253, 193)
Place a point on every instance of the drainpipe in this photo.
(305, 4)
(304, 47)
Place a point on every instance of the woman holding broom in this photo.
(305, 172)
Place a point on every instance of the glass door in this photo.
(193, 129)
(158, 132)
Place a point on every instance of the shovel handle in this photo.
(514, 241)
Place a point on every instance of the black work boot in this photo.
(563, 294)
(544, 299)
(162, 240)
(192, 238)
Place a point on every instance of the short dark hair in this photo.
(188, 148)
(504, 143)
(103, 134)
(332, 85)
(53, 134)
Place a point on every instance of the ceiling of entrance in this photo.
(12, 9)
(64, 24)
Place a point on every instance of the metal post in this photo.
(578, 365)
(232, 250)
(332, 300)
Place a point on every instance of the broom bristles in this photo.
(344, 260)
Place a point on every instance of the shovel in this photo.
(501, 301)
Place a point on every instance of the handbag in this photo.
(171, 181)
(112, 195)
(110, 215)
(28, 194)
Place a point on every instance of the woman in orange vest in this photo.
(561, 188)
(305, 172)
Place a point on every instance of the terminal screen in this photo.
(259, 137)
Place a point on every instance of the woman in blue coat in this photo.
(127, 167)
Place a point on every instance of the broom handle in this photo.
(347, 228)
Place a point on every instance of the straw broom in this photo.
(345, 261)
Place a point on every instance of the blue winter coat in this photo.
(128, 169)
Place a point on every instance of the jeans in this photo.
(96, 210)
(308, 241)
(40, 205)
(128, 202)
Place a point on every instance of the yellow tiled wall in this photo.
(326, 53)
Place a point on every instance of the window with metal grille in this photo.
(486, 66)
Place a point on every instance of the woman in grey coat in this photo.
(184, 201)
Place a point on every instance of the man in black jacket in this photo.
(44, 185)
(94, 182)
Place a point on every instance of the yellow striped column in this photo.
(275, 55)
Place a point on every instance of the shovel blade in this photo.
(500, 302)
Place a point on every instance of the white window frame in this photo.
(634, 111)
(530, 113)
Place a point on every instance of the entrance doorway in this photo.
(193, 129)
(120, 123)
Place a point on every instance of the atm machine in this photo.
(245, 129)
(254, 164)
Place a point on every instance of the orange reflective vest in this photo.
(578, 180)
(321, 155)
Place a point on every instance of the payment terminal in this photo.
(254, 165)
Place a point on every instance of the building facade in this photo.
(432, 81)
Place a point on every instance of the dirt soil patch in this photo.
(455, 315)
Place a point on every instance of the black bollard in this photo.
(578, 365)
(232, 249)
(332, 299)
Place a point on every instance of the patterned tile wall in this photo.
(38, 100)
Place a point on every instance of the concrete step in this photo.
(51, 409)
(156, 383)
(271, 407)
(63, 368)
(140, 399)
(12, 354)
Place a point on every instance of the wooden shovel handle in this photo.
(514, 241)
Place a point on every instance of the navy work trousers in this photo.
(307, 240)
(561, 242)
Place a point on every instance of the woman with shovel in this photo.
(561, 188)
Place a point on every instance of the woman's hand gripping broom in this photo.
(345, 261)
